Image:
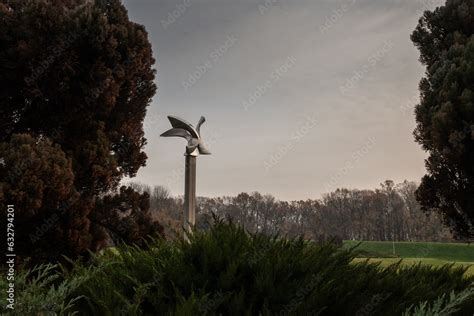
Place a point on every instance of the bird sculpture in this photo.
(182, 128)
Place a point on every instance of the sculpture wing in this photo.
(177, 122)
(198, 126)
(177, 132)
(203, 150)
(184, 129)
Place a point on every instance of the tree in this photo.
(77, 77)
(445, 115)
(38, 182)
(390, 212)
(127, 215)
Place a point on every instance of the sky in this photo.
(300, 97)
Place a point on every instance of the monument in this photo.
(195, 147)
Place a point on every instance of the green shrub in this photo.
(443, 305)
(227, 271)
(40, 292)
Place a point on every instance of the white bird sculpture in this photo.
(182, 128)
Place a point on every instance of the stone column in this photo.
(190, 193)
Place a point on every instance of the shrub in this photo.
(228, 271)
(443, 305)
(39, 291)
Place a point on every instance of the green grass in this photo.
(430, 253)
(453, 252)
(385, 262)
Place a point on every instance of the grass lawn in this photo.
(411, 261)
(432, 253)
(455, 252)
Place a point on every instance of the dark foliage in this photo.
(127, 216)
(76, 78)
(445, 115)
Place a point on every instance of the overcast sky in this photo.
(300, 97)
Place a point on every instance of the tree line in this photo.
(390, 212)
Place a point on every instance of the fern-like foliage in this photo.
(228, 271)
